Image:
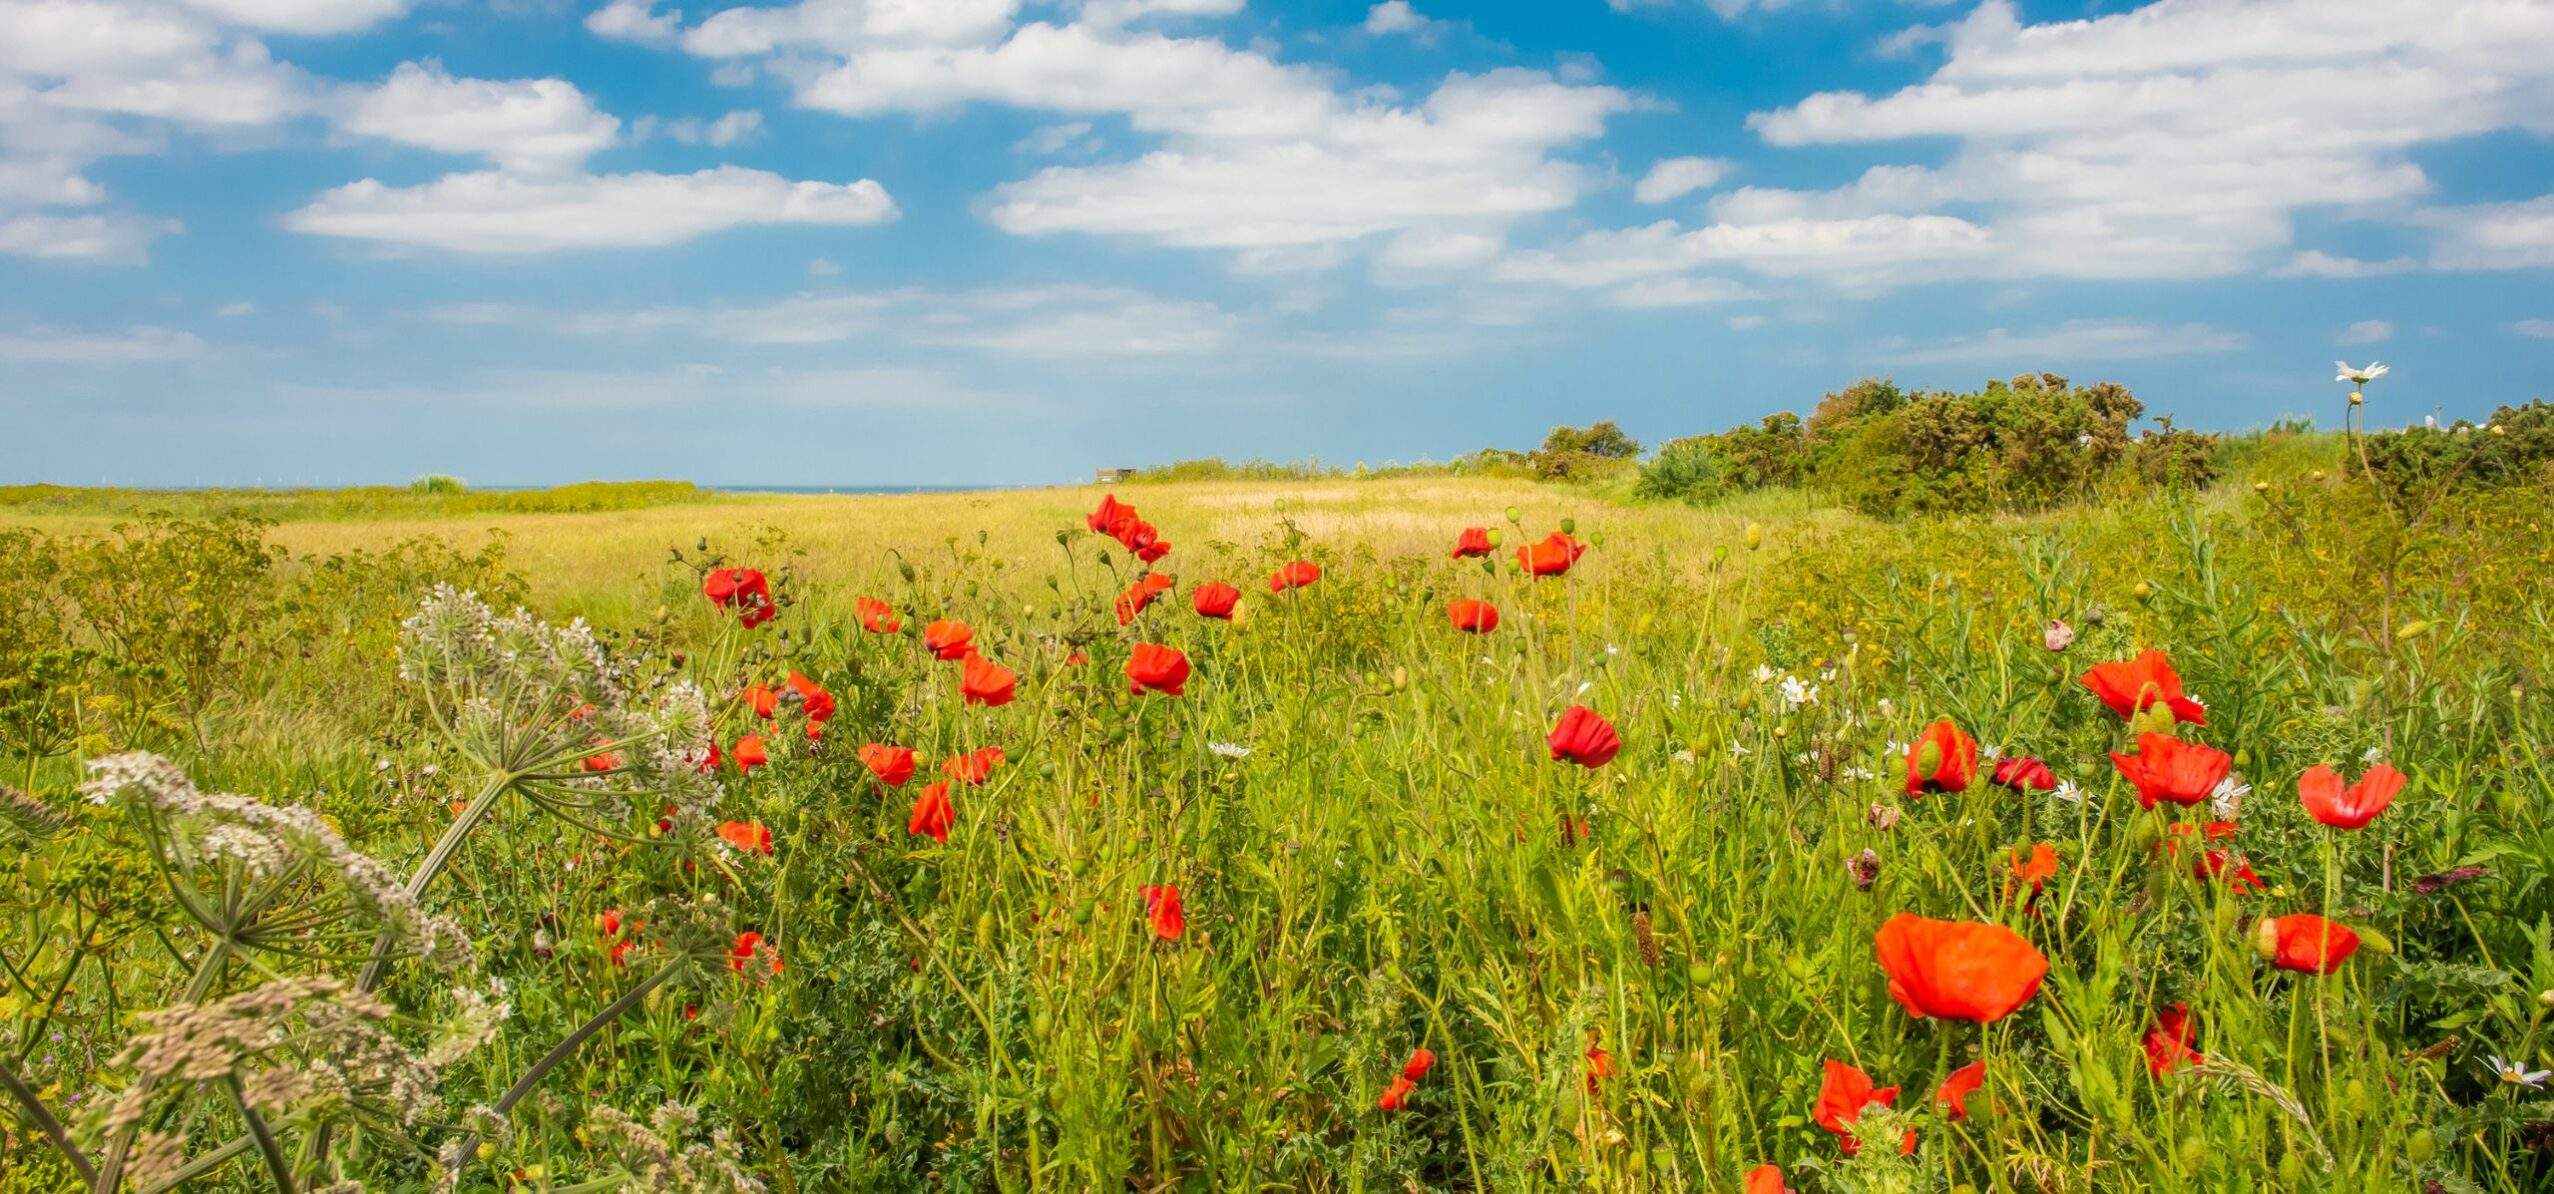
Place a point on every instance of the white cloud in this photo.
(1121, 12)
(238, 310)
(1675, 178)
(526, 125)
(2315, 263)
(106, 239)
(1266, 158)
(819, 267)
(1394, 16)
(494, 212)
(47, 345)
(2080, 340)
(1047, 322)
(1677, 292)
(1427, 250)
(2495, 235)
(1072, 135)
(2539, 329)
(743, 124)
(304, 17)
(2177, 139)
(635, 21)
(2366, 331)
(1747, 323)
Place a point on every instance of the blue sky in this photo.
(887, 242)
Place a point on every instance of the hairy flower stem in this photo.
(46, 1123)
(567, 1045)
(208, 971)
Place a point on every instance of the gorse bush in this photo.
(2513, 447)
(1584, 453)
(2036, 442)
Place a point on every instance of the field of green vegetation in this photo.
(1903, 799)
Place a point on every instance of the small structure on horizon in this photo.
(1111, 476)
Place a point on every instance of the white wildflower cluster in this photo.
(549, 703)
(649, 1152)
(290, 1043)
(268, 840)
(2226, 801)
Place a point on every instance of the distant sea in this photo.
(854, 489)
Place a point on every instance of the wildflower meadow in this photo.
(1438, 830)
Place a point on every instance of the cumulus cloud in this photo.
(2536, 329)
(2366, 331)
(495, 212)
(1250, 154)
(1675, 178)
(2315, 263)
(528, 125)
(2176, 140)
(303, 17)
(1394, 16)
(2495, 235)
(634, 20)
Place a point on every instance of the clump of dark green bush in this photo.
(1584, 453)
(2033, 443)
(2514, 447)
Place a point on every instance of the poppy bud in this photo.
(905, 570)
(1928, 759)
(2143, 591)
(1513, 515)
(1755, 536)
(1569, 526)
(2545, 998)
(2422, 1147)
(1495, 536)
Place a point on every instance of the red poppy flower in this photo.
(2236, 871)
(710, 759)
(1147, 543)
(932, 813)
(1955, 1090)
(2305, 942)
(987, 683)
(748, 836)
(1471, 614)
(1473, 543)
(1294, 576)
(1584, 738)
(813, 700)
(877, 617)
(1139, 595)
(2167, 768)
(743, 589)
(1421, 1061)
(1600, 1066)
(1942, 759)
(1162, 910)
(1215, 599)
(763, 699)
(1397, 1095)
(1958, 969)
(749, 753)
(1765, 1179)
(601, 763)
(1156, 668)
(1110, 512)
(950, 640)
(973, 767)
(893, 765)
(2352, 807)
(2024, 774)
(2037, 868)
(2130, 687)
(1842, 1095)
(748, 944)
(1551, 557)
(609, 923)
(2168, 1042)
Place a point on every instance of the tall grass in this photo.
(1377, 853)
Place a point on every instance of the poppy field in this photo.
(1392, 835)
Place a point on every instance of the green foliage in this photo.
(1585, 453)
(2513, 447)
(437, 483)
(1683, 470)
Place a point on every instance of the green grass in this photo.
(1375, 850)
(347, 505)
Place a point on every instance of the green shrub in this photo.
(1684, 470)
(1585, 453)
(2514, 447)
(437, 483)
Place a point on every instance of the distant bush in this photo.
(437, 483)
(1584, 453)
(428, 497)
(2514, 447)
(1684, 470)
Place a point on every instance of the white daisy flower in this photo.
(1229, 750)
(1795, 693)
(1738, 750)
(2359, 376)
(2516, 1073)
(2228, 797)
(2068, 792)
